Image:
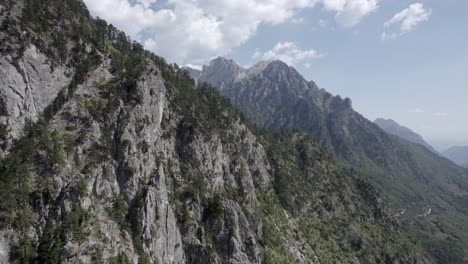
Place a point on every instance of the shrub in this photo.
(121, 258)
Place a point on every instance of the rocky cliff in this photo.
(111, 155)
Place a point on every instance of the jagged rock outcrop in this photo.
(29, 85)
(276, 96)
(221, 72)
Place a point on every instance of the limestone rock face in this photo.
(28, 86)
(221, 72)
(4, 250)
(160, 226)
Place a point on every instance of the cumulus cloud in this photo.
(287, 52)
(407, 20)
(349, 13)
(196, 67)
(193, 31)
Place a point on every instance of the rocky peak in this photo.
(255, 69)
(194, 73)
(339, 103)
(223, 62)
(275, 74)
(221, 72)
(277, 69)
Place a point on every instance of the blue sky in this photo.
(416, 75)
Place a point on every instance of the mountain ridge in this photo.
(392, 127)
(457, 154)
(410, 174)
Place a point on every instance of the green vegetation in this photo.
(96, 257)
(214, 207)
(134, 217)
(54, 236)
(39, 151)
(304, 178)
(275, 228)
(129, 219)
(119, 212)
(121, 258)
(24, 251)
(33, 161)
(4, 131)
(445, 251)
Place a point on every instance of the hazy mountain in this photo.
(392, 127)
(111, 155)
(457, 154)
(277, 97)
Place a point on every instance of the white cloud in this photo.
(193, 66)
(257, 54)
(407, 20)
(287, 52)
(350, 12)
(193, 31)
(416, 110)
(440, 114)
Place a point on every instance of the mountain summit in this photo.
(275, 95)
(222, 72)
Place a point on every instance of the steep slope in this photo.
(110, 155)
(393, 128)
(457, 154)
(277, 97)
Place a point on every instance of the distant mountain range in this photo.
(392, 127)
(277, 97)
(457, 154)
